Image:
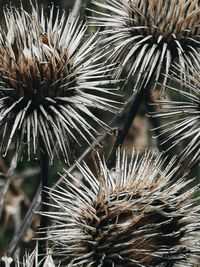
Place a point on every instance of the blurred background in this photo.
(60, 3)
(63, 4)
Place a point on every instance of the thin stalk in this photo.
(26, 222)
(44, 163)
(155, 122)
(114, 121)
(122, 133)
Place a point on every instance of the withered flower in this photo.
(180, 118)
(130, 216)
(50, 78)
(29, 260)
(148, 36)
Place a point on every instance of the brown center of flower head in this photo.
(130, 228)
(130, 216)
(175, 23)
(26, 78)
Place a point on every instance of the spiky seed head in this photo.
(147, 36)
(130, 216)
(29, 260)
(50, 77)
(180, 118)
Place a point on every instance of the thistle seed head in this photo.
(29, 260)
(181, 118)
(50, 77)
(130, 216)
(147, 36)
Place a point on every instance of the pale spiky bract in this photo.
(50, 77)
(29, 260)
(181, 118)
(147, 36)
(130, 216)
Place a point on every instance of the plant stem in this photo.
(26, 222)
(44, 163)
(114, 121)
(139, 97)
(155, 122)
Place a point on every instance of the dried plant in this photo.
(49, 81)
(29, 260)
(130, 216)
(182, 117)
(141, 212)
(147, 36)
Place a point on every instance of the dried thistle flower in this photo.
(130, 216)
(29, 260)
(149, 35)
(182, 117)
(49, 80)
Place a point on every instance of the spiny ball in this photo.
(129, 216)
